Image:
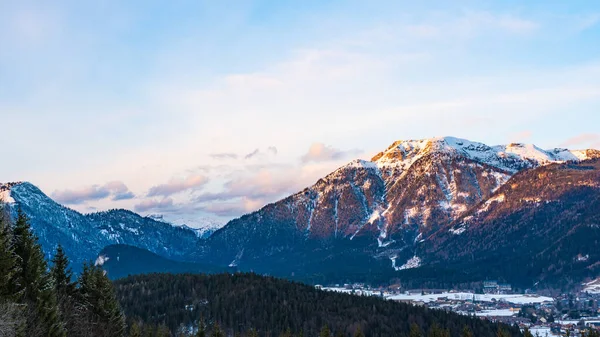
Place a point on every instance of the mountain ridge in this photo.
(408, 192)
(84, 235)
(364, 217)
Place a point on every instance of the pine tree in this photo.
(134, 330)
(434, 331)
(149, 331)
(325, 332)
(501, 333)
(286, 333)
(65, 289)
(216, 331)
(61, 273)
(358, 333)
(415, 331)
(252, 333)
(201, 327)
(11, 314)
(98, 298)
(36, 290)
(8, 260)
(163, 331)
(466, 332)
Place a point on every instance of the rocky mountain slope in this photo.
(374, 213)
(543, 224)
(83, 236)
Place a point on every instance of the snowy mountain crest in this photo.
(511, 157)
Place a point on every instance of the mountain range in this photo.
(419, 207)
(83, 236)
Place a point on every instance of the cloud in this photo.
(272, 150)
(230, 155)
(123, 196)
(583, 139)
(232, 208)
(117, 190)
(264, 184)
(224, 155)
(252, 154)
(319, 152)
(154, 205)
(177, 185)
(254, 186)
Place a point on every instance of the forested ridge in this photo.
(248, 303)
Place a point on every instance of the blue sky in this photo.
(200, 109)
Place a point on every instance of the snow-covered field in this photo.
(513, 298)
(350, 291)
(542, 332)
(495, 313)
(459, 296)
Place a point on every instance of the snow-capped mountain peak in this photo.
(5, 192)
(203, 227)
(511, 158)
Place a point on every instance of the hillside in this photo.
(542, 225)
(121, 260)
(239, 302)
(83, 236)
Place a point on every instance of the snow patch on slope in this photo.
(6, 197)
(458, 231)
(592, 287)
(413, 262)
(498, 198)
(101, 260)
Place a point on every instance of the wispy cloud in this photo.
(177, 185)
(319, 152)
(232, 208)
(254, 186)
(224, 155)
(584, 139)
(264, 184)
(154, 205)
(116, 190)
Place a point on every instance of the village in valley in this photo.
(543, 314)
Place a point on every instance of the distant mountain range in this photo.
(83, 236)
(433, 205)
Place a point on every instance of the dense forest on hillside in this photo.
(240, 302)
(122, 260)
